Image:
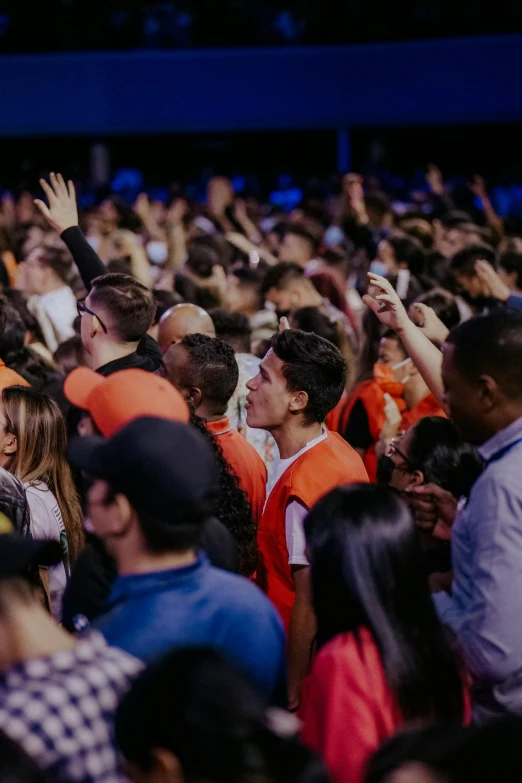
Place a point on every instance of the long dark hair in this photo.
(367, 571)
(195, 705)
(234, 510)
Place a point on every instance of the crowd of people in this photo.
(260, 509)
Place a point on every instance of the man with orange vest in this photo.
(300, 380)
(396, 377)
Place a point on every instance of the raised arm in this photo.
(390, 311)
(62, 215)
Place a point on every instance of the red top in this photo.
(244, 461)
(328, 464)
(426, 407)
(334, 417)
(347, 709)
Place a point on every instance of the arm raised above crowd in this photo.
(385, 303)
(62, 215)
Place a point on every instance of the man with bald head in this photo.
(181, 320)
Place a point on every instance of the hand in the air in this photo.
(62, 212)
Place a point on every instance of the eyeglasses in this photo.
(82, 308)
(393, 449)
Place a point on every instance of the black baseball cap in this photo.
(20, 554)
(166, 469)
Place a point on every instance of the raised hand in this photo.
(435, 180)
(478, 187)
(429, 323)
(386, 304)
(62, 212)
(283, 324)
(492, 282)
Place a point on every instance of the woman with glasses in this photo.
(383, 659)
(432, 455)
(32, 447)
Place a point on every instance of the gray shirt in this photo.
(485, 605)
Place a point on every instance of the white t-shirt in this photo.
(60, 307)
(47, 524)
(295, 511)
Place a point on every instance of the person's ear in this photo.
(195, 397)
(95, 326)
(417, 479)
(489, 392)
(119, 516)
(167, 767)
(298, 402)
(10, 445)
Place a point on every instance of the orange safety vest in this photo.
(328, 464)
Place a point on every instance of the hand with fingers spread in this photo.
(62, 212)
(429, 323)
(385, 303)
(493, 284)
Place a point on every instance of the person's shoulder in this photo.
(349, 652)
(236, 591)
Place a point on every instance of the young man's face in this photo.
(471, 285)
(268, 399)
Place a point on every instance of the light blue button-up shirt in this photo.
(485, 605)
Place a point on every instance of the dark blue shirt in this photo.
(150, 614)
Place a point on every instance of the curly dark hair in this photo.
(212, 367)
(234, 510)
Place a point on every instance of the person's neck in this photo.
(207, 415)
(292, 437)
(415, 391)
(103, 353)
(34, 634)
(143, 562)
(503, 418)
(53, 285)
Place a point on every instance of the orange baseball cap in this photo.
(115, 401)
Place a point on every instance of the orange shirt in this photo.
(426, 407)
(9, 377)
(328, 464)
(334, 417)
(244, 461)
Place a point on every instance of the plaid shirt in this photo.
(60, 709)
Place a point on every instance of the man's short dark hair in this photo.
(280, 275)
(491, 345)
(130, 304)
(444, 304)
(307, 234)
(232, 328)
(512, 262)
(212, 368)
(464, 261)
(314, 365)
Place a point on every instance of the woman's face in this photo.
(7, 440)
(404, 475)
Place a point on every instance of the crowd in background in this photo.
(260, 500)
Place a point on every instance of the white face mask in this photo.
(157, 252)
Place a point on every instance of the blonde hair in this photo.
(41, 435)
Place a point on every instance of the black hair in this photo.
(127, 217)
(369, 348)
(70, 354)
(307, 234)
(212, 367)
(196, 705)
(512, 262)
(314, 365)
(281, 274)
(130, 304)
(19, 301)
(232, 328)
(17, 765)
(437, 449)
(164, 300)
(444, 304)
(367, 572)
(17, 356)
(252, 279)
(206, 252)
(491, 345)
(481, 753)
(456, 218)
(464, 261)
(410, 252)
(311, 319)
(233, 508)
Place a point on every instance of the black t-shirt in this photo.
(357, 432)
(95, 572)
